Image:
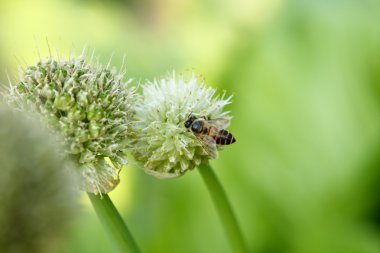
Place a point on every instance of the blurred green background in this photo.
(304, 175)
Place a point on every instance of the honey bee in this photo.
(210, 132)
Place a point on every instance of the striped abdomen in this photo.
(221, 137)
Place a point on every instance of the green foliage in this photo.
(303, 175)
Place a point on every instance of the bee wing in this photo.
(220, 123)
(208, 145)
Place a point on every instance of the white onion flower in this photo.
(161, 142)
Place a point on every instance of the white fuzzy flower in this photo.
(161, 141)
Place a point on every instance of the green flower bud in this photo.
(90, 107)
(36, 197)
(161, 142)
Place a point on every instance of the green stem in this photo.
(113, 223)
(224, 209)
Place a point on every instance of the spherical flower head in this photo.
(89, 107)
(36, 196)
(162, 143)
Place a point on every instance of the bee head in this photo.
(190, 121)
(196, 127)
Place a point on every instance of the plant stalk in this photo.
(224, 209)
(113, 223)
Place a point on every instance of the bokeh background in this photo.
(304, 175)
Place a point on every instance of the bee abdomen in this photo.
(224, 138)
